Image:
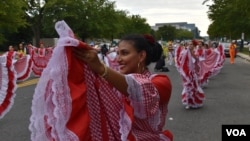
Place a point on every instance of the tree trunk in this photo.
(36, 31)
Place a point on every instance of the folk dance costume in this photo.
(111, 60)
(192, 94)
(220, 61)
(211, 65)
(71, 103)
(208, 60)
(21, 53)
(170, 54)
(23, 66)
(40, 58)
(8, 83)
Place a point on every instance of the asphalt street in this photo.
(227, 102)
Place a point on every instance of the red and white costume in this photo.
(111, 60)
(40, 58)
(23, 67)
(208, 59)
(219, 62)
(22, 64)
(192, 94)
(7, 83)
(72, 103)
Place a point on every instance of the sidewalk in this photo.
(243, 56)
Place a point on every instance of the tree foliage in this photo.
(87, 18)
(135, 24)
(183, 34)
(12, 17)
(229, 18)
(166, 32)
(170, 33)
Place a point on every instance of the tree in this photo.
(135, 24)
(229, 18)
(167, 33)
(183, 34)
(12, 17)
(87, 18)
(35, 15)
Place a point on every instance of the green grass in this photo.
(245, 51)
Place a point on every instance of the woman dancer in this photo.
(187, 65)
(82, 99)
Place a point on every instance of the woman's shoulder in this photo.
(163, 85)
(160, 79)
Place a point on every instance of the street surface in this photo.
(227, 102)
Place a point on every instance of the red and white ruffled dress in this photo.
(71, 103)
(220, 61)
(208, 60)
(23, 67)
(7, 83)
(192, 93)
(40, 58)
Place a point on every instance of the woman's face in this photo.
(11, 48)
(200, 44)
(20, 46)
(128, 58)
(41, 45)
(191, 45)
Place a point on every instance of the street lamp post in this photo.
(242, 42)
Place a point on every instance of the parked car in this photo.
(226, 46)
(239, 42)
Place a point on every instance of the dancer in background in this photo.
(111, 59)
(40, 57)
(232, 49)
(8, 81)
(170, 53)
(215, 56)
(160, 65)
(187, 65)
(22, 63)
(21, 50)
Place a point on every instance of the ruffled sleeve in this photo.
(143, 95)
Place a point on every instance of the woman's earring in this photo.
(142, 69)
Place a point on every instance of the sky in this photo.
(168, 11)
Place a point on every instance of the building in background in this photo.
(180, 25)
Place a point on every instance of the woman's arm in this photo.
(115, 78)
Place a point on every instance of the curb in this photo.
(244, 56)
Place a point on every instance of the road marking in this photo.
(27, 82)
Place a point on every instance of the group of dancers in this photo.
(74, 100)
(197, 62)
(17, 66)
